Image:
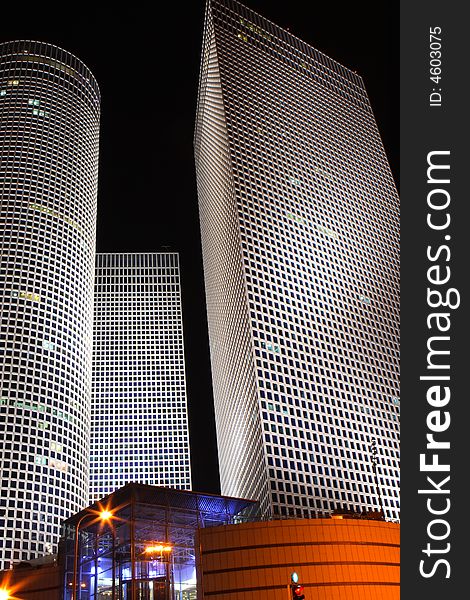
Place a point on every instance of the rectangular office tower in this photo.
(299, 224)
(139, 421)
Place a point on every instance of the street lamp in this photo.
(4, 594)
(102, 516)
(8, 590)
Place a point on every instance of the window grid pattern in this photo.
(49, 128)
(318, 228)
(233, 371)
(139, 423)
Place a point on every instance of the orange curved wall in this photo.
(336, 559)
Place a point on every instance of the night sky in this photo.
(146, 62)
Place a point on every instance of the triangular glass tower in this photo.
(299, 224)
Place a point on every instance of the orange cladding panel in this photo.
(336, 559)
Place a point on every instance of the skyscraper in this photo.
(49, 118)
(299, 226)
(139, 430)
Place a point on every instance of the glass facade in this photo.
(49, 127)
(148, 551)
(300, 234)
(139, 421)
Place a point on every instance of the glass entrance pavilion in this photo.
(139, 543)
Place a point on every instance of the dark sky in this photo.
(147, 64)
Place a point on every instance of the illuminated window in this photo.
(271, 347)
(295, 218)
(27, 296)
(327, 231)
(58, 464)
(294, 180)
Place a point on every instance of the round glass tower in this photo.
(49, 134)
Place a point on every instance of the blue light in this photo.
(294, 577)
